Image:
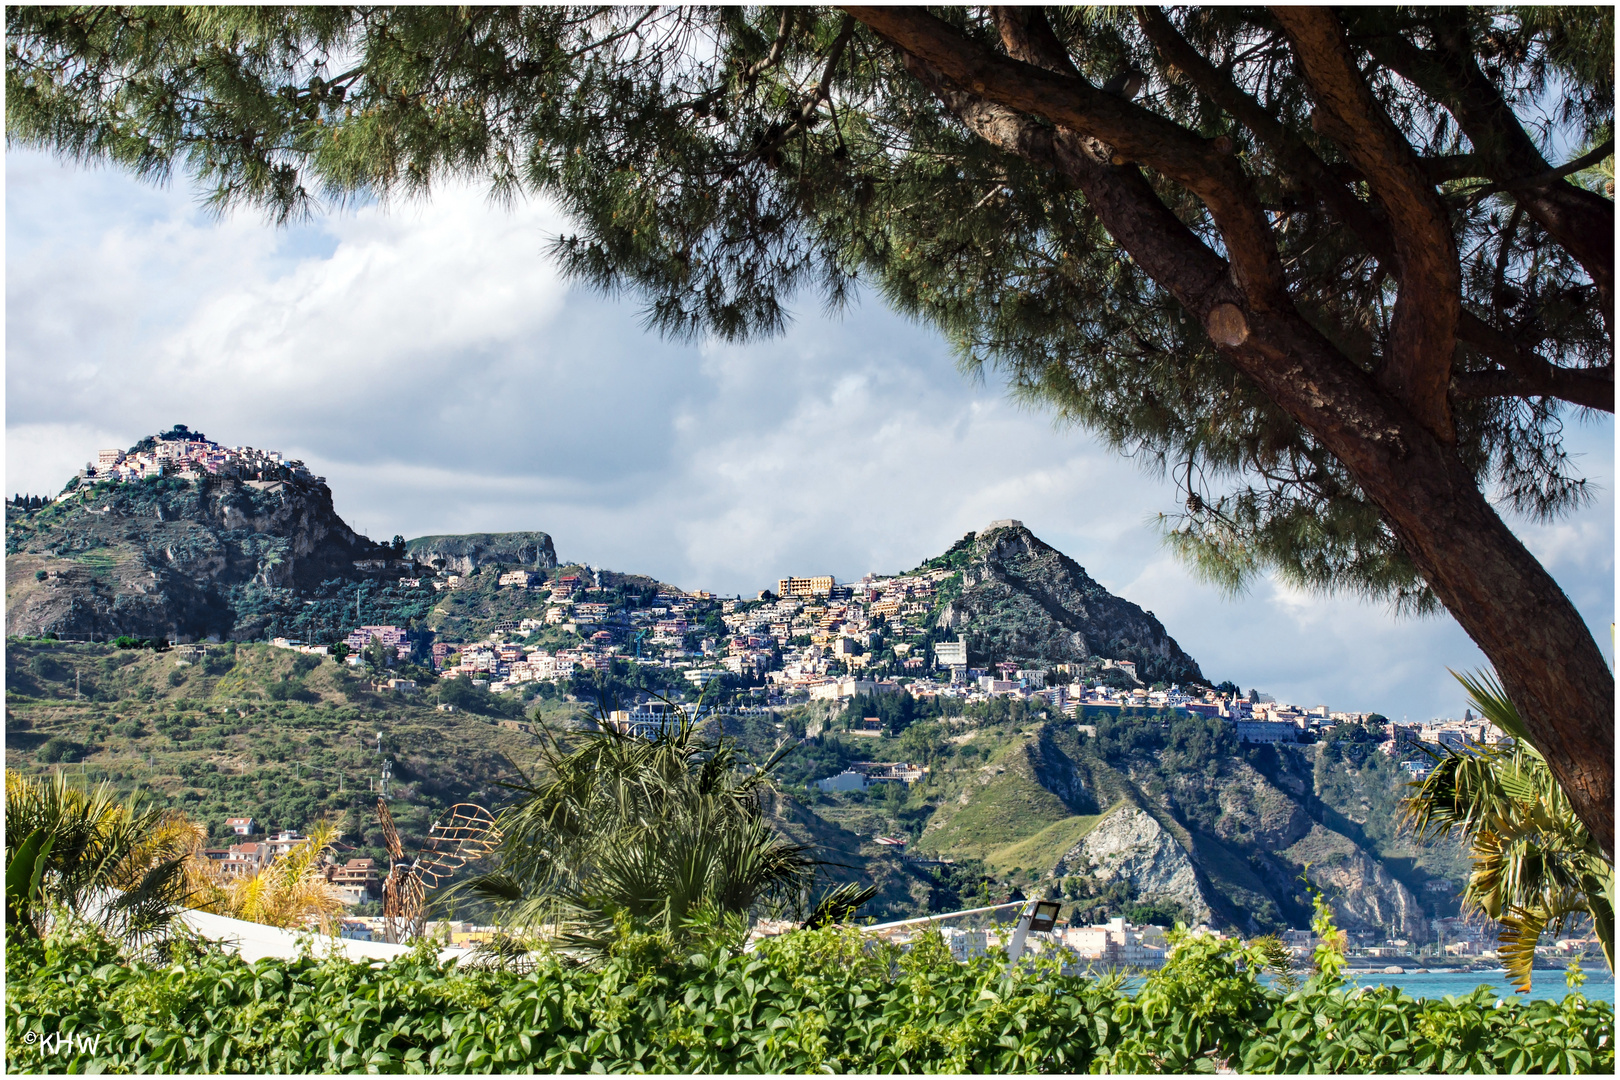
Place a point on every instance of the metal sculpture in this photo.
(465, 834)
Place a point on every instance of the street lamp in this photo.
(1039, 916)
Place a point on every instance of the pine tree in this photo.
(1316, 264)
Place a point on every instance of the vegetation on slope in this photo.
(252, 730)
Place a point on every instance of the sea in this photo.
(1544, 985)
(1599, 984)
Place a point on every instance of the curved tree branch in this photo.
(1293, 152)
(1593, 389)
(1524, 374)
(1581, 221)
(1132, 132)
(1423, 331)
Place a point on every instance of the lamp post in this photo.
(1038, 915)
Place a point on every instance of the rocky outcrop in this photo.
(465, 552)
(1023, 600)
(178, 557)
(1363, 894)
(1129, 844)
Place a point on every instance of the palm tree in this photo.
(669, 835)
(1536, 866)
(291, 892)
(121, 866)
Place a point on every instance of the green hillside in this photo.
(1004, 804)
(249, 730)
(1046, 847)
(1015, 797)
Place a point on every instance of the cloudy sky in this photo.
(429, 362)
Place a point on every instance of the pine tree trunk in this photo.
(1501, 595)
(1515, 612)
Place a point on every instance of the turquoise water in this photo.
(1599, 984)
(1545, 984)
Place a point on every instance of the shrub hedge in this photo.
(810, 1001)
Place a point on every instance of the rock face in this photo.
(1023, 600)
(1129, 844)
(1230, 832)
(465, 552)
(177, 557)
(1363, 894)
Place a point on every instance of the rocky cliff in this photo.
(465, 552)
(1177, 813)
(1020, 599)
(1129, 845)
(193, 558)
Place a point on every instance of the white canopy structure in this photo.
(255, 941)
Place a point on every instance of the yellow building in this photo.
(805, 586)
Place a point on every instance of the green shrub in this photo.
(820, 1000)
(59, 750)
(290, 690)
(48, 667)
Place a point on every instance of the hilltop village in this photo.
(190, 455)
(812, 639)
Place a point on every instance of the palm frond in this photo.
(1535, 865)
(654, 831)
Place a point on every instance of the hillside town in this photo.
(191, 456)
(814, 639)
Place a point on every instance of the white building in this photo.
(848, 780)
(951, 653)
(703, 676)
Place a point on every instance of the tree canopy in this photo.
(1344, 274)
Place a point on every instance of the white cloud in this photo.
(429, 362)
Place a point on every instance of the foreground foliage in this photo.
(70, 848)
(813, 1000)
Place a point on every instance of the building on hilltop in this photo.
(191, 456)
(806, 586)
(1266, 731)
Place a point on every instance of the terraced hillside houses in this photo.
(189, 455)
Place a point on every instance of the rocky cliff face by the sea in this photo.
(1178, 813)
